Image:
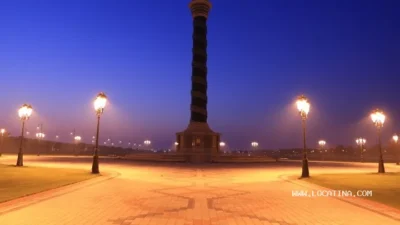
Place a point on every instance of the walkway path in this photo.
(179, 195)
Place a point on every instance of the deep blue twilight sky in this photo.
(344, 55)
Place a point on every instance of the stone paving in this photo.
(183, 195)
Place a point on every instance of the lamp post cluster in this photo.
(25, 112)
(377, 117)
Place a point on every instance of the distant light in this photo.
(395, 138)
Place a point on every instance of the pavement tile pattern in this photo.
(163, 195)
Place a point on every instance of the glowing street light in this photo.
(222, 144)
(147, 142)
(396, 139)
(24, 114)
(40, 135)
(77, 139)
(361, 142)
(2, 131)
(322, 144)
(99, 105)
(378, 118)
(303, 106)
(254, 144)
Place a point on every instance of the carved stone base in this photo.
(198, 143)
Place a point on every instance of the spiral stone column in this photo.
(198, 142)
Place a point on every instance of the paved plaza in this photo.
(131, 193)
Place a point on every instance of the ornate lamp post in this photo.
(396, 139)
(2, 131)
(24, 113)
(361, 142)
(304, 107)
(378, 118)
(99, 105)
(322, 144)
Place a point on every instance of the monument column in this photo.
(198, 107)
(198, 142)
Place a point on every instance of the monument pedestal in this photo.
(198, 143)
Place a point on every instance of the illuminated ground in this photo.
(18, 182)
(178, 194)
(385, 186)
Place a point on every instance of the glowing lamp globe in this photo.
(303, 105)
(25, 111)
(378, 118)
(100, 102)
(395, 138)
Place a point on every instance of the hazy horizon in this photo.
(343, 56)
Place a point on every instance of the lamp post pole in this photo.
(362, 151)
(305, 172)
(379, 118)
(24, 113)
(99, 105)
(20, 153)
(95, 166)
(381, 165)
(361, 142)
(304, 107)
(40, 137)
